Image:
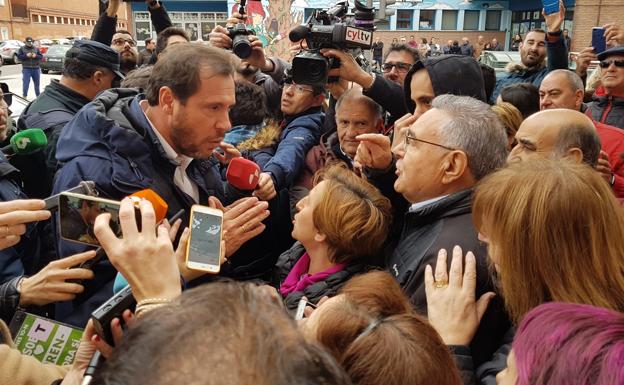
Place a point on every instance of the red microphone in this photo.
(243, 174)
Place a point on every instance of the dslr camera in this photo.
(331, 28)
(240, 35)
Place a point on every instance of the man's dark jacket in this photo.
(106, 26)
(390, 97)
(607, 109)
(111, 143)
(29, 62)
(557, 59)
(51, 111)
(442, 225)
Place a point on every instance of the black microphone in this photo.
(298, 33)
(94, 365)
(84, 188)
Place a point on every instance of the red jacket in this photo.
(612, 139)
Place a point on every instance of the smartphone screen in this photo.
(204, 249)
(550, 6)
(598, 40)
(77, 217)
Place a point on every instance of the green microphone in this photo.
(26, 142)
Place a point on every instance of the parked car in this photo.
(53, 59)
(8, 51)
(499, 59)
(62, 41)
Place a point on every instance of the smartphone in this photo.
(550, 6)
(77, 215)
(598, 40)
(203, 251)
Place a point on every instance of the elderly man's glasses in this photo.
(121, 41)
(400, 67)
(300, 89)
(607, 63)
(409, 137)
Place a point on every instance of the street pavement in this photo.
(12, 75)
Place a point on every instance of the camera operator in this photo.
(387, 91)
(257, 68)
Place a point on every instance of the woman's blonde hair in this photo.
(557, 233)
(511, 118)
(352, 214)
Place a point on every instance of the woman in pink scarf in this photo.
(339, 226)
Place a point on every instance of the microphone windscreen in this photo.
(298, 33)
(243, 174)
(28, 141)
(160, 206)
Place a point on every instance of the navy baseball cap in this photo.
(96, 53)
(617, 50)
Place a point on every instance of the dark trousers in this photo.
(28, 73)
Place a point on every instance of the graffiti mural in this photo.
(272, 21)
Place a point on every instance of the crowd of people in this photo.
(430, 223)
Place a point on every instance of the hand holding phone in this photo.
(599, 42)
(203, 251)
(144, 258)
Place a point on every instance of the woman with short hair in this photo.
(339, 227)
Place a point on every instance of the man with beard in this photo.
(163, 140)
(124, 43)
(536, 47)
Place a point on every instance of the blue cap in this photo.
(96, 53)
(617, 50)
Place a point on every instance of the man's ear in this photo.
(579, 95)
(319, 99)
(575, 153)
(455, 166)
(165, 99)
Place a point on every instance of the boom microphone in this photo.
(243, 174)
(26, 142)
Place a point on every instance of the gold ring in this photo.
(244, 227)
(440, 284)
(6, 229)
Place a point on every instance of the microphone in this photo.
(298, 33)
(26, 142)
(243, 174)
(84, 188)
(159, 204)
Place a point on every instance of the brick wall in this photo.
(58, 18)
(588, 14)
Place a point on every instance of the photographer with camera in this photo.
(255, 67)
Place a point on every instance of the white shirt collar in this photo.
(418, 205)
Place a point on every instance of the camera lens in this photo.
(241, 46)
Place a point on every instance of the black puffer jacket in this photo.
(442, 225)
(329, 287)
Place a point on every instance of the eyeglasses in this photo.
(607, 63)
(400, 67)
(121, 41)
(409, 137)
(298, 88)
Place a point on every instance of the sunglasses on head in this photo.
(607, 63)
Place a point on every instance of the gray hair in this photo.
(354, 94)
(474, 129)
(574, 81)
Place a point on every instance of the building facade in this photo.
(198, 18)
(52, 18)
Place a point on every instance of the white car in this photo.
(8, 50)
